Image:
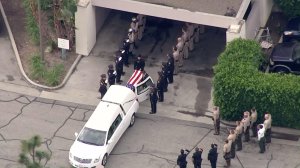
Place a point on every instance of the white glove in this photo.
(106, 81)
(115, 73)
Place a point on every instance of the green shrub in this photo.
(32, 27)
(38, 69)
(54, 75)
(239, 86)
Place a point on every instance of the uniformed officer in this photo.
(103, 86)
(160, 87)
(170, 67)
(142, 23)
(153, 99)
(246, 126)
(131, 38)
(164, 71)
(181, 160)
(180, 48)
(226, 153)
(139, 64)
(197, 33)
(185, 38)
(261, 138)
(176, 60)
(126, 52)
(253, 124)
(267, 125)
(197, 158)
(232, 137)
(134, 25)
(111, 73)
(239, 131)
(191, 31)
(213, 155)
(119, 67)
(216, 119)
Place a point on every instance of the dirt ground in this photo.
(16, 17)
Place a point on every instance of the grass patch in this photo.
(39, 71)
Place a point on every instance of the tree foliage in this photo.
(290, 7)
(239, 86)
(30, 156)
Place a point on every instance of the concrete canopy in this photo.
(205, 12)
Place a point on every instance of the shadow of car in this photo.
(292, 30)
(285, 58)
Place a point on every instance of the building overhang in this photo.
(173, 13)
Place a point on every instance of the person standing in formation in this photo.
(176, 59)
(125, 52)
(141, 25)
(239, 131)
(153, 99)
(103, 86)
(231, 138)
(181, 160)
(180, 48)
(119, 67)
(246, 125)
(185, 38)
(261, 138)
(267, 125)
(160, 87)
(191, 30)
(213, 155)
(131, 38)
(111, 73)
(134, 25)
(226, 153)
(197, 33)
(197, 158)
(164, 71)
(139, 64)
(216, 119)
(170, 68)
(253, 119)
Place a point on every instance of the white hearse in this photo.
(113, 115)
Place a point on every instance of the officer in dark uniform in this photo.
(164, 70)
(103, 86)
(170, 68)
(125, 52)
(139, 64)
(160, 87)
(181, 160)
(213, 155)
(111, 75)
(153, 99)
(197, 159)
(119, 67)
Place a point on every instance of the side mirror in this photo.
(109, 141)
(76, 134)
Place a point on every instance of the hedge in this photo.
(239, 86)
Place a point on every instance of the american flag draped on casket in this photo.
(135, 78)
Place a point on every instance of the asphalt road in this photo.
(153, 141)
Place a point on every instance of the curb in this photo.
(15, 49)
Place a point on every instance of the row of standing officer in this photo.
(122, 56)
(197, 157)
(249, 121)
(185, 43)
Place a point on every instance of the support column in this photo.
(85, 23)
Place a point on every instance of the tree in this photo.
(30, 156)
(290, 7)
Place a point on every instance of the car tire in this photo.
(132, 120)
(104, 160)
(282, 70)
